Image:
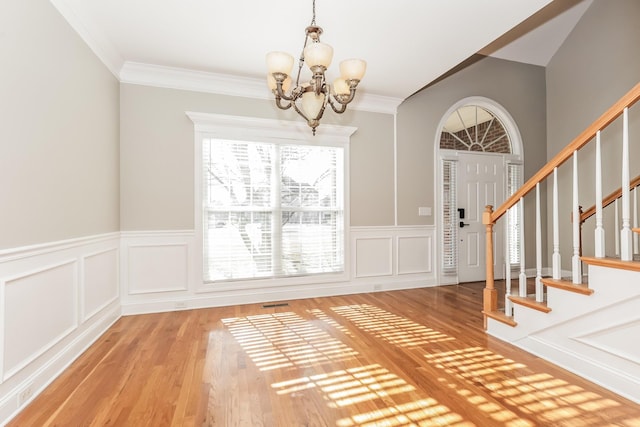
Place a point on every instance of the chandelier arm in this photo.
(283, 106)
(278, 91)
(342, 109)
(299, 111)
(345, 101)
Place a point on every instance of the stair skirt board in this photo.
(589, 335)
(623, 383)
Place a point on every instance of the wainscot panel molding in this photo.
(393, 257)
(56, 299)
(158, 271)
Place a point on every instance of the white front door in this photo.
(480, 183)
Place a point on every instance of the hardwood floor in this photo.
(402, 358)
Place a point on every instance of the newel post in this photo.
(489, 295)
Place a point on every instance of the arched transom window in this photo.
(473, 128)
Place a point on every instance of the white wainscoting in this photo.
(390, 258)
(159, 270)
(56, 299)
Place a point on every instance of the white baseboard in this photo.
(590, 369)
(160, 304)
(11, 405)
(158, 271)
(73, 286)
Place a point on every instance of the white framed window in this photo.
(271, 199)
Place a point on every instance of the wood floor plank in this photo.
(416, 357)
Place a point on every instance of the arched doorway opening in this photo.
(479, 162)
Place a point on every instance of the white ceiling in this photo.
(406, 43)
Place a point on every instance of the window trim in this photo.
(207, 125)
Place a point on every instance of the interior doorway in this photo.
(479, 156)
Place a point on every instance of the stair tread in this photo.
(612, 263)
(531, 303)
(568, 285)
(500, 317)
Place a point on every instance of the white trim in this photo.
(226, 84)
(395, 169)
(253, 296)
(617, 381)
(73, 263)
(391, 228)
(57, 364)
(241, 127)
(179, 288)
(157, 233)
(223, 126)
(197, 81)
(516, 156)
(497, 110)
(93, 37)
(14, 254)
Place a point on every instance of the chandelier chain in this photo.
(313, 19)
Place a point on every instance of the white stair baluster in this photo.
(539, 286)
(635, 220)
(576, 263)
(617, 227)
(522, 282)
(508, 305)
(599, 231)
(626, 241)
(556, 260)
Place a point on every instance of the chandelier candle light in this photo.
(315, 94)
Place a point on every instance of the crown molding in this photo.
(225, 126)
(96, 40)
(184, 79)
(225, 84)
(197, 81)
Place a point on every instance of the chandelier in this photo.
(310, 99)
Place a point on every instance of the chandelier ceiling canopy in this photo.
(309, 99)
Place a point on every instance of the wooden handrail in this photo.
(580, 141)
(635, 182)
(490, 217)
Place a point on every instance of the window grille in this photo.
(271, 209)
(449, 217)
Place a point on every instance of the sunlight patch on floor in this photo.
(542, 396)
(281, 340)
(423, 413)
(349, 386)
(390, 327)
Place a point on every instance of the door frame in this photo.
(516, 156)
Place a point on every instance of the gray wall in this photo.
(595, 66)
(157, 158)
(519, 88)
(58, 130)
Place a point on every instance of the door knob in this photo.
(462, 224)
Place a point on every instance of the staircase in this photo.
(591, 329)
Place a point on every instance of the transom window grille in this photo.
(271, 209)
(473, 128)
